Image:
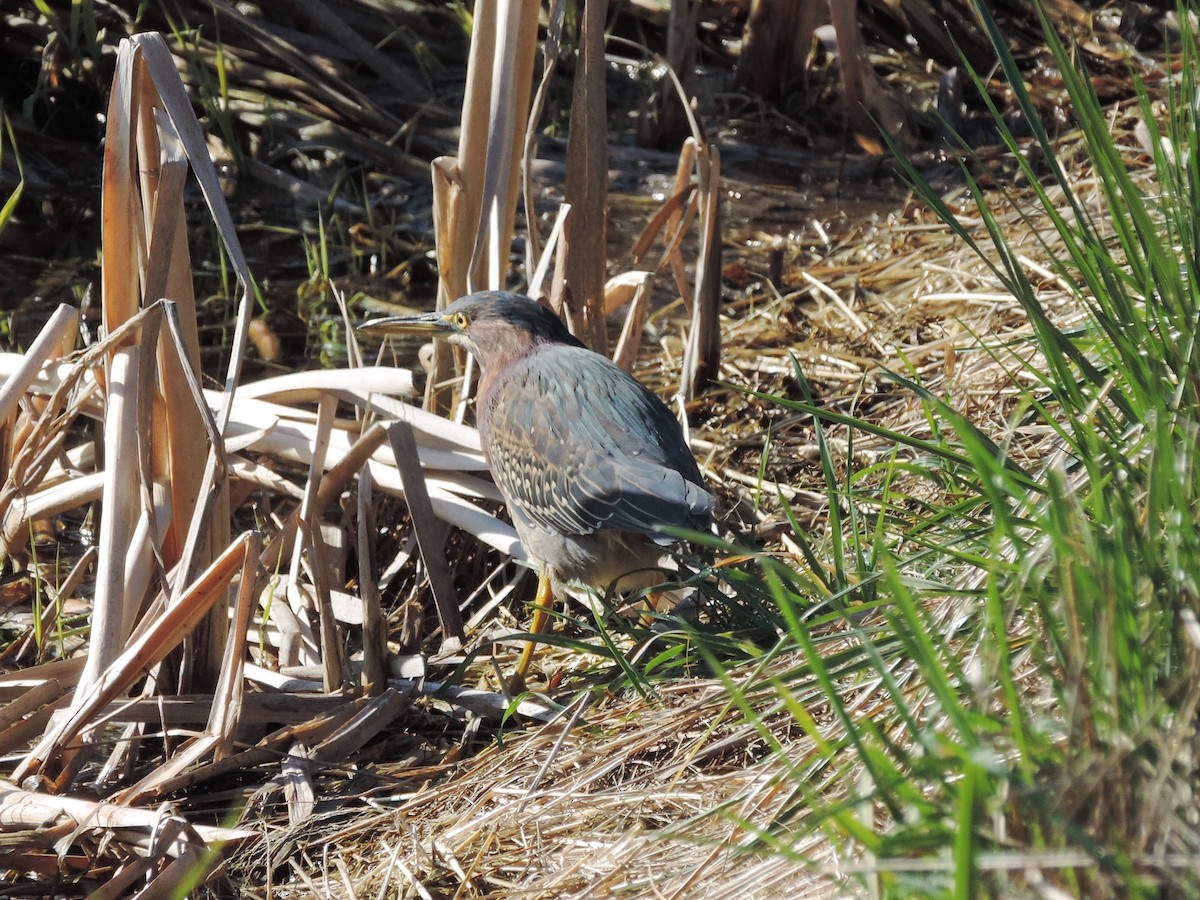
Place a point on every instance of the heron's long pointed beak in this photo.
(434, 324)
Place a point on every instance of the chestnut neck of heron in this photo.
(498, 352)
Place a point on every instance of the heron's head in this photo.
(496, 326)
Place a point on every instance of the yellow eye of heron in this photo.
(460, 320)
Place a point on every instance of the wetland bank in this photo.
(944, 641)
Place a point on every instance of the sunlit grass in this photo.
(1027, 646)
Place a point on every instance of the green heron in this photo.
(591, 463)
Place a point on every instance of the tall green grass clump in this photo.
(1011, 707)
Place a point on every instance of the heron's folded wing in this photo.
(579, 446)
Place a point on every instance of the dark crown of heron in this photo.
(499, 327)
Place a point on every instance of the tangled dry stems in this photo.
(662, 796)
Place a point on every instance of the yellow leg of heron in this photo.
(542, 604)
(655, 600)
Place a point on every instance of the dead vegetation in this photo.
(251, 711)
